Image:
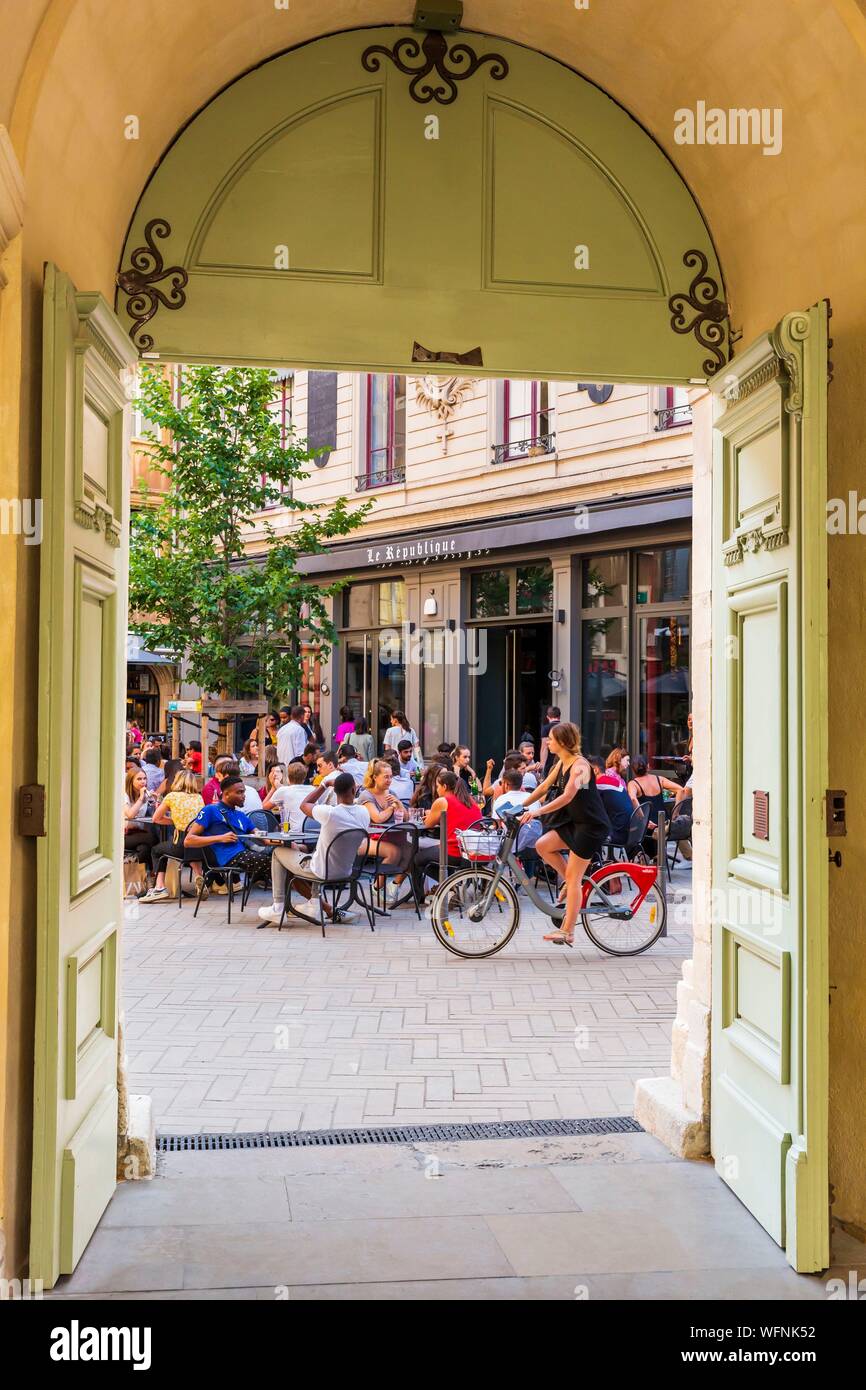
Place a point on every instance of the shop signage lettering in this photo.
(420, 551)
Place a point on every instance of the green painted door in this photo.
(320, 212)
(769, 755)
(82, 627)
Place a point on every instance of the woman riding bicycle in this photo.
(576, 819)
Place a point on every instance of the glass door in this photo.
(359, 677)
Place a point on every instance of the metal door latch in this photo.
(31, 810)
(837, 819)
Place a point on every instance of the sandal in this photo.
(559, 938)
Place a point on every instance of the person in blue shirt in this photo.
(216, 829)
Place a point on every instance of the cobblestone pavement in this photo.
(234, 1029)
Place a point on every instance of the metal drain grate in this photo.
(397, 1134)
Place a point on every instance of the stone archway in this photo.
(772, 262)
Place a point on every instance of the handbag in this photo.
(134, 878)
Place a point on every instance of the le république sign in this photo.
(420, 551)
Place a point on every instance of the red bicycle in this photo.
(476, 911)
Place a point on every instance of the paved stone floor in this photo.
(590, 1218)
(234, 1029)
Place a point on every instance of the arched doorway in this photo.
(327, 211)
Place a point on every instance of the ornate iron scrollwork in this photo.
(419, 60)
(141, 283)
(709, 321)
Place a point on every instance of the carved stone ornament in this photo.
(96, 518)
(419, 60)
(700, 311)
(141, 284)
(442, 395)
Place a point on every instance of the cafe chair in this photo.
(343, 867)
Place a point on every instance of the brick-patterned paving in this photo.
(230, 1028)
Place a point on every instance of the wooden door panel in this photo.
(769, 1047)
(85, 442)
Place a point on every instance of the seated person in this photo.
(409, 763)
(252, 801)
(513, 796)
(153, 769)
(349, 763)
(211, 789)
(327, 768)
(138, 805)
(178, 807)
(513, 792)
(679, 827)
(214, 833)
(615, 772)
(402, 785)
(307, 761)
(343, 815)
(249, 759)
(513, 761)
(460, 817)
(384, 807)
(533, 768)
(285, 800)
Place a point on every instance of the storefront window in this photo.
(664, 576)
(535, 589)
(605, 581)
(491, 594)
(392, 603)
(664, 649)
(604, 722)
(380, 604)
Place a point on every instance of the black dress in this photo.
(583, 824)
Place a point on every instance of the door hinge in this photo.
(31, 810)
(837, 820)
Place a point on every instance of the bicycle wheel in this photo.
(460, 922)
(615, 891)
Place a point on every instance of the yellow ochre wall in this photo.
(788, 229)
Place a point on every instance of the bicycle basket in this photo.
(479, 844)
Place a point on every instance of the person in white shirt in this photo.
(409, 760)
(292, 736)
(285, 801)
(513, 793)
(349, 763)
(252, 800)
(400, 729)
(402, 785)
(344, 815)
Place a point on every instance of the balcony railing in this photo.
(671, 416)
(395, 474)
(515, 450)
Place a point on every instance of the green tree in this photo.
(197, 588)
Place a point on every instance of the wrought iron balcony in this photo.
(395, 474)
(671, 416)
(517, 450)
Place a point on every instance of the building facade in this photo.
(529, 544)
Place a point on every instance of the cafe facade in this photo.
(474, 629)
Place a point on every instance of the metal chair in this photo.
(379, 870)
(682, 809)
(343, 867)
(632, 847)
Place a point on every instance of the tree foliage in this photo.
(202, 586)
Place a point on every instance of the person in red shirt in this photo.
(193, 757)
(453, 797)
(211, 789)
